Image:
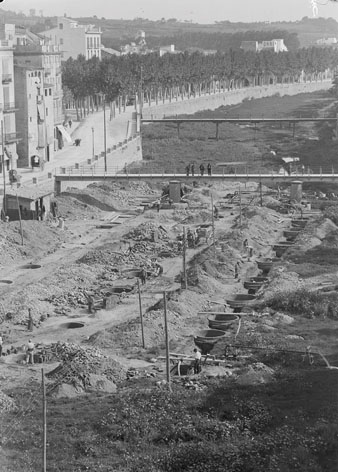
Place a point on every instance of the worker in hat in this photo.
(30, 352)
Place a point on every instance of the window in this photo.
(61, 26)
(29, 96)
(30, 119)
(46, 91)
(46, 111)
(50, 91)
(61, 40)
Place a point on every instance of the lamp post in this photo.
(104, 133)
(93, 141)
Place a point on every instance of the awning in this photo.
(64, 133)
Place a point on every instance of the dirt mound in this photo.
(145, 232)
(256, 374)
(78, 364)
(6, 403)
(40, 238)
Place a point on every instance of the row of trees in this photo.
(154, 78)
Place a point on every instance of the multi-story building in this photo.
(34, 115)
(74, 39)
(35, 52)
(276, 45)
(7, 104)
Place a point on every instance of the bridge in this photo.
(253, 120)
(81, 178)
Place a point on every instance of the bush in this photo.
(304, 302)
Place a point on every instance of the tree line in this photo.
(151, 78)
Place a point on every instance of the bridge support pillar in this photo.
(296, 191)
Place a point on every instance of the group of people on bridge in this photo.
(190, 169)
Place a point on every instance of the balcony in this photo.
(11, 138)
(7, 78)
(9, 107)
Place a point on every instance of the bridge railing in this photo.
(87, 170)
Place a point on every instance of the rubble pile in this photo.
(145, 232)
(6, 403)
(79, 363)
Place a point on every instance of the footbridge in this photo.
(80, 178)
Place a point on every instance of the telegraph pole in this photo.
(3, 167)
(166, 339)
(213, 224)
(141, 314)
(44, 420)
(185, 281)
(93, 153)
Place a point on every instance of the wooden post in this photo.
(240, 205)
(44, 419)
(3, 167)
(141, 314)
(19, 211)
(217, 131)
(261, 192)
(213, 224)
(185, 280)
(166, 339)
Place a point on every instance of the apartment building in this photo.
(34, 115)
(74, 39)
(36, 53)
(10, 137)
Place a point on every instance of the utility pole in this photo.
(141, 92)
(185, 280)
(93, 153)
(141, 314)
(3, 167)
(166, 339)
(240, 205)
(44, 419)
(104, 133)
(213, 224)
(19, 211)
(261, 193)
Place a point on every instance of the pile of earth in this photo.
(84, 369)
(40, 238)
(6, 403)
(145, 232)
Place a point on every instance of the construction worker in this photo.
(216, 213)
(202, 169)
(1, 343)
(187, 170)
(209, 168)
(237, 267)
(197, 361)
(91, 306)
(250, 252)
(143, 276)
(30, 320)
(30, 352)
(192, 170)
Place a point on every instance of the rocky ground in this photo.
(270, 392)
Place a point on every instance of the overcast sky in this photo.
(201, 11)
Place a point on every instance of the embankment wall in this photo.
(232, 97)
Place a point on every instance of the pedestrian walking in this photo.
(197, 361)
(193, 169)
(202, 169)
(30, 352)
(209, 168)
(187, 170)
(1, 343)
(70, 123)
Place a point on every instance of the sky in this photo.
(199, 11)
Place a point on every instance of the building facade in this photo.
(74, 39)
(34, 115)
(276, 45)
(10, 137)
(34, 52)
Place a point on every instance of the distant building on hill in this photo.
(276, 45)
(326, 42)
(74, 39)
(167, 49)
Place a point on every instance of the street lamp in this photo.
(93, 141)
